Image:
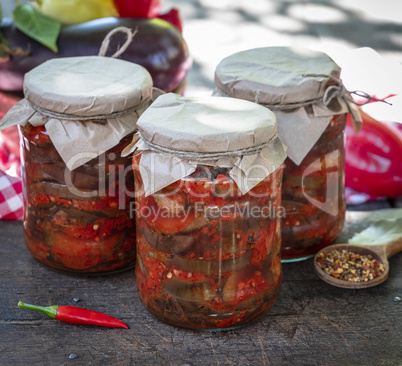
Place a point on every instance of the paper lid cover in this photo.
(206, 124)
(64, 94)
(178, 133)
(301, 86)
(281, 75)
(87, 86)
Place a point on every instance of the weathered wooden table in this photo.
(312, 323)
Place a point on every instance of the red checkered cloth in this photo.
(9, 152)
(11, 206)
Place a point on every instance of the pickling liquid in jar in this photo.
(304, 89)
(208, 257)
(313, 196)
(76, 221)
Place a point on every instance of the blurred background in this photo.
(214, 29)
(363, 36)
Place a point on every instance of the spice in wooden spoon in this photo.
(350, 266)
(364, 261)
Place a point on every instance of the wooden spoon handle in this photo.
(393, 247)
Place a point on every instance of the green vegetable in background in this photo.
(382, 229)
(5, 48)
(76, 11)
(34, 24)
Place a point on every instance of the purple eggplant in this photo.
(158, 46)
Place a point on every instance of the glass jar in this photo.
(303, 89)
(208, 208)
(77, 116)
(315, 203)
(208, 257)
(76, 221)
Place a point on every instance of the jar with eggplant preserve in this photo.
(208, 191)
(77, 115)
(304, 90)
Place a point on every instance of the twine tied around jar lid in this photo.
(201, 156)
(102, 118)
(301, 86)
(331, 94)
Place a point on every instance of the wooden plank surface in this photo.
(312, 323)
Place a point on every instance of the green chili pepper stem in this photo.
(49, 310)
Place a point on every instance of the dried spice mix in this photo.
(350, 266)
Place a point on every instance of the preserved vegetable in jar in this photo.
(304, 90)
(314, 201)
(76, 186)
(84, 229)
(208, 235)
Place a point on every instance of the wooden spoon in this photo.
(380, 252)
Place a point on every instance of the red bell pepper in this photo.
(373, 158)
(147, 9)
(172, 17)
(138, 8)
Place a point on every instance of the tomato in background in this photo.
(373, 158)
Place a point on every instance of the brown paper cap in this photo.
(206, 124)
(87, 86)
(275, 75)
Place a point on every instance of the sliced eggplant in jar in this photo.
(242, 284)
(190, 291)
(63, 217)
(196, 224)
(212, 267)
(140, 266)
(174, 244)
(63, 191)
(44, 154)
(231, 287)
(274, 251)
(273, 274)
(244, 224)
(223, 247)
(263, 298)
(87, 178)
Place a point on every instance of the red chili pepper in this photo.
(373, 158)
(76, 315)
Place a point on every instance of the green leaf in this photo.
(380, 231)
(34, 24)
